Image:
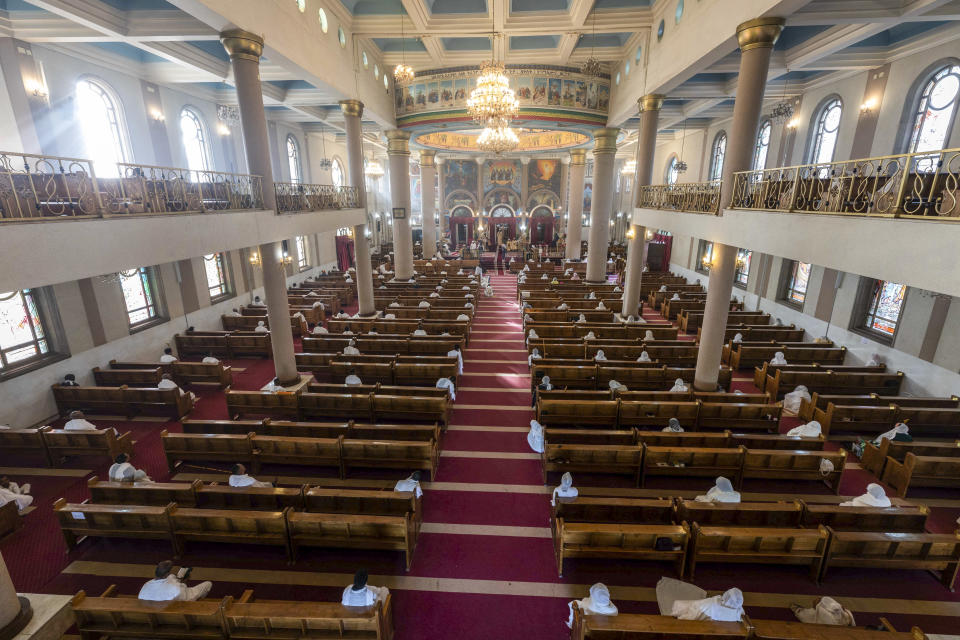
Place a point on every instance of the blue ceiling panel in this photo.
(897, 34)
(396, 45)
(373, 7)
(287, 85)
(216, 86)
(457, 6)
(517, 6)
(712, 77)
(127, 51)
(620, 4)
(588, 40)
(466, 44)
(792, 36)
(518, 43)
(212, 47)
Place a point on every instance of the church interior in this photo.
(399, 319)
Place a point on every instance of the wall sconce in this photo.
(793, 124)
(868, 105)
(707, 261)
(631, 233)
(157, 115)
(649, 234)
(255, 258)
(286, 258)
(223, 129)
(37, 89)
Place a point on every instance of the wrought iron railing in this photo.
(35, 187)
(691, 197)
(923, 185)
(293, 196)
(145, 188)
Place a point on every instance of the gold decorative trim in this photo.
(578, 156)
(605, 140)
(759, 33)
(398, 142)
(242, 45)
(351, 108)
(651, 102)
(428, 158)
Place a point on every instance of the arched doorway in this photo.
(503, 225)
(462, 224)
(541, 225)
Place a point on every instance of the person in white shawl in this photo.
(532, 335)
(468, 305)
(592, 296)
(673, 426)
(239, 478)
(644, 357)
(874, 497)
(488, 290)
(727, 607)
(722, 491)
(462, 317)
(122, 471)
(477, 271)
(675, 296)
(360, 594)
(389, 316)
(778, 358)
(565, 490)
(648, 336)
(616, 386)
(261, 327)
(575, 276)
(663, 288)
(599, 356)
(320, 330)
(590, 336)
(679, 386)
(738, 337)
(526, 267)
(534, 355)
(434, 294)
(601, 306)
(410, 483)
(352, 379)
(792, 400)
(563, 306)
(875, 360)
(812, 429)
(455, 352)
(581, 319)
(424, 304)
(447, 383)
(825, 610)
(351, 348)
(535, 436)
(544, 277)
(899, 428)
(596, 604)
(12, 491)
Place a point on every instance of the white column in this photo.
(15, 612)
(398, 148)
(428, 207)
(352, 114)
(577, 171)
(604, 155)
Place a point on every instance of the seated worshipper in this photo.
(663, 288)
(257, 302)
(341, 316)
(532, 335)
(69, 380)
(535, 436)
(526, 267)
(874, 497)
(727, 607)
(319, 330)
(122, 471)
(468, 305)
(792, 400)
(78, 422)
(456, 352)
(447, 383)
(875, 360)
(617, 289)
(348, 279)
(352, 378)
(648, 336)
(596, 604)
(20, 496)
(521, 279)
(410, 483)
(389, 316)
(738, 337)
(469, 296)
(434, 294)
(721, 492)
(462, 316)
(544, 277)
(899, 433)
(575, 276)
(644, 357)
(360, 594)
(314, 294)
(424, 304)
(168, 356)
(166, 382)
(591, 296)
(419, 331)
(563, 306)
(318, 305)
(812, 429)
(261, 327)
(351, 348)
(234, 313)
(675, 296)
(825, 610)
(477, 271)
(616, 386)
(673, 426)
(465, 288)
(347, 331)
(777, 322)
(383, 286)
(778, 358)
(554, 281)
(599, 356)
(166, 586)
(534, 355)
(581, 319)
(209, 359)
(590, 336)
(543, 385)
(274, 386)
(601, 306)
(565, 490)
(679, 386)
(239, 478)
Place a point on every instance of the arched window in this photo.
(672, 173)
(102, 127)
(303, 260)
(935, 110)
(717, 156)
(825, 131)
(336, 173)
(139, 288)
(293, 159)
(22, 334)
(882, 305)
(218, 284)
(193, 135)
(762, 147)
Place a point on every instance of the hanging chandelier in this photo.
(373, 168)
(492, 99)
(402, 73)
(497, 138)
(592, 66)
(783, 110)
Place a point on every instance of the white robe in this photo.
(722, 491)
(535, 436)
(812, 429)
(596, 604)
(126, 472)
(363, 598)
(727, 607)
(23, 500)
(260, 328)
(409, 484)
(444, 383)
(170, 588)
(826, 611)
(210, 360)
(79, 424)
(246, 481)
(454, 353)
(352, 380)
(351, 351)
(167, 358)
(565, 490)
(320, 330)
(792, 400)
(874, 497)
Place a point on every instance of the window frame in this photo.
(817, 132)
(913, 116)
(865, 309)
(338, 165)
(147, 276)
(765, 124)
(717, 156)
(225, 284)
(704, 249)
(203, 140)
(739, 272)
(294, 161)
(671, 163)
(120, 130)
(49, 321)
(788, 275)
(303, 246)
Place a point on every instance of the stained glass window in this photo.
(935, 111)
(742, 271)
(101, 125)
(795, 290)
(139, 295)
(302, 258)
(336, 173)
(293, 159)
(716, 158)
(194, 140)
(884, 307)
(705, 256)
(215, 266)
(826, 131)
(762, 147)
(22, 336)
(672, 173)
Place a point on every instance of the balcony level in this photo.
(894, 218)
(59, 221)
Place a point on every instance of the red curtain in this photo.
(667, 242)
(344, 252)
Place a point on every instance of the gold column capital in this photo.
(651, 102)
(242, 45)
(578, 156)
(428, 158)
(605, 140)
(398, 142)
(351, 108)
(759, 33)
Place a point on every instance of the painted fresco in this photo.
(508, 197)
(554, 91)
(501, 173)
(460, 175)
(543, 174)
(531, 140)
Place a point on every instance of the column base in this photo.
(15, 626)
(604, 281)
(699, 385)
(372, 314)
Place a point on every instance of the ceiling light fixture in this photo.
(325, 163)
(497, 138)
(592, 66)
(783, 110)
(402, 73)
(492, 103)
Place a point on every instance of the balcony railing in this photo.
(691, 197)
(36, 187)
(921, 185)
(292, 196)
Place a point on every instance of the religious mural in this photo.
(416, 192)
(460, 175)
(587, 196)
(530, 140)
(543, 174)
(501, 173)
(501, 196)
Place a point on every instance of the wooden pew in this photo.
(61, 443)
(10, 520)
(930, 422)
(24, 442)
(155, 494)
(227, 525)
(696, 462)
(185, 372)
(349, 429)
(621, 437)
(621, 541)
(378, 454)
(903, 518)
(273, 619)
(647, 415)
(826, 381)
(261, 403)
(558, 413)
(854, 419)
(613, 510)
(218, 496)
(781, 464)
(190, 447)
(875, 457)
(129, 377)
(660, 438)
(119, 617)
(741, 355)
(314, 452)
(780, 630)
(766, 545)
(921, 471)
(882, 550)
(740, 416)
(112, 521)
(592, 458)
(91, 400)
(627, 626)
(743, 514)
(338, 531)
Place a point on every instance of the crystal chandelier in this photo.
(402, 73)
(325, 163)
(373, 169)
(497, 138)
(783, 110)
(592, 66)
(492, 99)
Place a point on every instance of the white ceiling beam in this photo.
(434, 49)
(580, 11)
(417, 13)
(567, 44)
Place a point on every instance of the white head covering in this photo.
(722, 491)
(791, 401)
(875, 361)
(738, 337)
(599, 355)
(663, 287)
(532, 335)
(727, 607)
(874, 497)
(582, 318)
(546, 381)
(599, 601)
(900, 427)
(674, 426)
(589, 336)
(827, 611)
(601, 306)
(565, 490)
(644, 357)
(535, 436)
(812, 429)
(616, 386)
(679, 386)
(778, 358)
(675, 296)
(648, 335)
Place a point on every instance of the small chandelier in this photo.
(498, 138)
(492, 100)
(781, 112)
(374, 169)
(402, 73)
(324, 162)
(680, 166)
(592, 66)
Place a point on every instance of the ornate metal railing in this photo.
(145, 188)
(691, 197)
(35, 187)
(922, 185)
(315, 197)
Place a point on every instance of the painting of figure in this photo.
(603, 97)
(556, 88)
(543, 174)
(587, 196)
(433, 93)
(420, 95)
(592, 95)
(460, 90)
(539, 91)
(460, 175)
(501, 173)
(569, 93)
(446, 92)
(525, 89)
